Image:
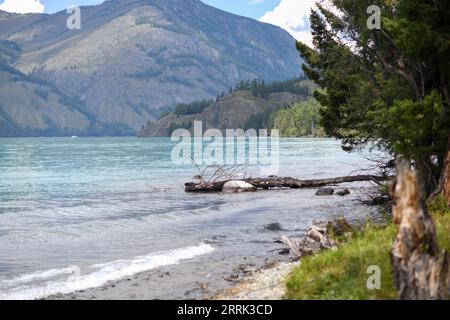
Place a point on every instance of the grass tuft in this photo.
(342, 274)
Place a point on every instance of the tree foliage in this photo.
(258, 87)
(300, 120)
(193, 107)
(263, 89)
(389, 86)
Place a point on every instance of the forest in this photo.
(300, 120)
(258, 87)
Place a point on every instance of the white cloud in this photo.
(293, 16)
(256, 1)
(22, 6)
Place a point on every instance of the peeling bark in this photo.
(420, 271)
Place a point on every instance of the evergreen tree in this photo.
(390, 85)
(300, 120)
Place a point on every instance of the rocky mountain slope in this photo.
(46, 109)
(133, 58)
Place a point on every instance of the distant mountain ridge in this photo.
(250, 106)
(133, 58)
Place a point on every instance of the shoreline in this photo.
(221, 276)
(248, 280)
(116, 213)
(264, 284)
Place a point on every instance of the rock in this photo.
(284, 252)
(339, 228)
(325, 192)
(232, 278)
(238, 186)
(274, 227)
(343, 192)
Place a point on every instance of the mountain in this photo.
(241, 109)
(33, 107)
(132, 59)
(45, 110)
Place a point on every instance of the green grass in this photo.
(442, 221)
(342, 274)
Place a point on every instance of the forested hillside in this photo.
(251, 104)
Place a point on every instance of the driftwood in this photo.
(277, 182)
(420, 271)
(320, 236)
(295, 246)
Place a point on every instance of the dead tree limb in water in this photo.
(276, 182)
(420, 271)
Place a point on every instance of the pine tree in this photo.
(390, 85)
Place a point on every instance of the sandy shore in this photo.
(267, 284)
(250, 278)
(250, 283)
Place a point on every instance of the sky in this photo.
(291, 15)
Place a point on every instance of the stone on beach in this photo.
(238, 186)
(343, 192)
(325, 192)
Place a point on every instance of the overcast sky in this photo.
(291, 15)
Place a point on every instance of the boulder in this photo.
(238, 186)
(325, 192)
(339, 228)
(343, 192)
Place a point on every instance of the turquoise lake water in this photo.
(100, 209)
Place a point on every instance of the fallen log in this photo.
(277, 182)
(420, 270)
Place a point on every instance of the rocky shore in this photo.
(265, 284)
(268, 283)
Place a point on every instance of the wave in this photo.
(23, 288)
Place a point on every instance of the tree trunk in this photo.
(277, 182)
(427, 178)
(444, 183)
(420, 271)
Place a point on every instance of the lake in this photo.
(77, 213)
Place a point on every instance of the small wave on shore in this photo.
(43, 284)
